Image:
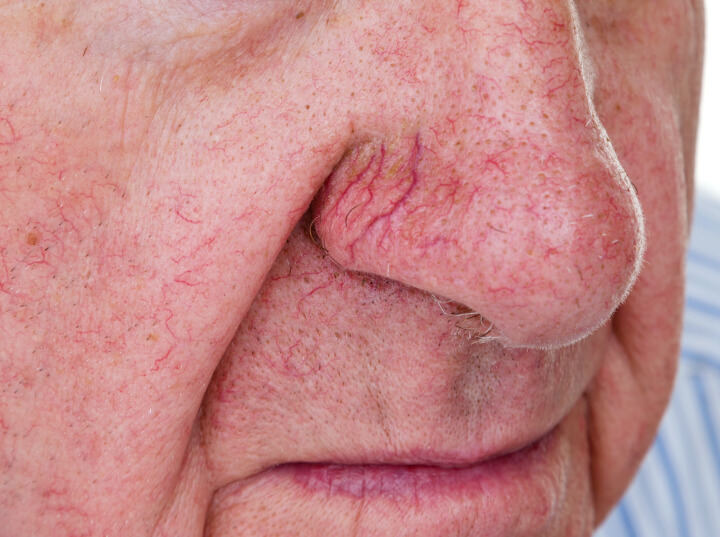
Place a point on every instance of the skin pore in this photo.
(347, 267)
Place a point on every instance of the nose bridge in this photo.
(507, 196)
(528, 66)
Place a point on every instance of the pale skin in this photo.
(393, 239)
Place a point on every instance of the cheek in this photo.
(648, 62)
(646, 93)
(652, 51)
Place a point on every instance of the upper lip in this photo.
(446, 458)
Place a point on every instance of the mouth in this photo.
(522, 492)
(418, 479)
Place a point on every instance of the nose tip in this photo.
(516, 207)
(545, 257)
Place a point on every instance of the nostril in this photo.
(467, 321)
(374, 182)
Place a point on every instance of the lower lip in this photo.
(421, 483)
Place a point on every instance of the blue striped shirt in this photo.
(677, 491)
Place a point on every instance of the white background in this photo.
(708, 155)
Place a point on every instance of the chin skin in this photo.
(353, 268)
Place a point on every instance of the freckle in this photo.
(31, 238)
(300, 15)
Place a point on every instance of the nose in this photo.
(492, 183)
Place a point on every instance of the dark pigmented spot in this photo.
(31, 238)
